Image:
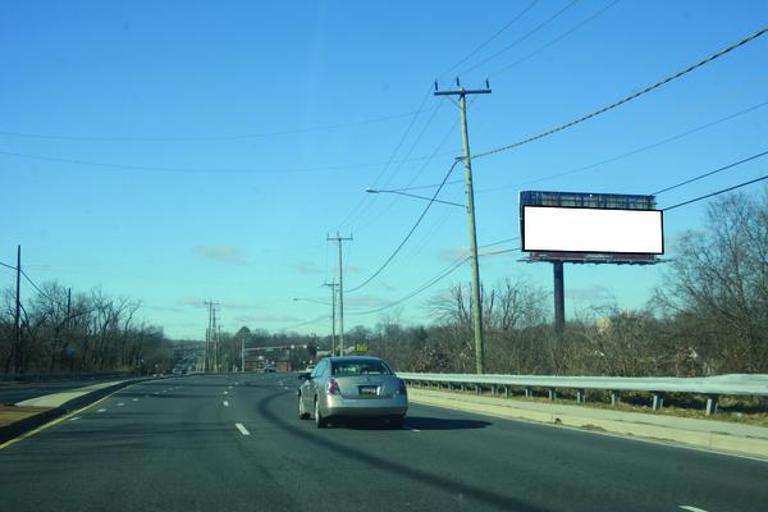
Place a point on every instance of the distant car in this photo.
(352, 386)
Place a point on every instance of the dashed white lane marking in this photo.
(102, 410)
(135, 400)
(242, 429)
(691, 508)
(120, 404)
(286, 387)
(226, 404)
(413, 429)
(226, 392)
(74, 418)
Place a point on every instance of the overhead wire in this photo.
(745, 40)
(631, 152)
(366, 199)
(521, 38)
(431, 282)
(554, 41)
(491, 38)
(710, 173)
(134, 167)
(717, 193)
(408, 235)
(204, 138)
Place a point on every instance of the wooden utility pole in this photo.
(339, 239)
(477, 307)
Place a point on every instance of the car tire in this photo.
(320, 422)
(303, 415)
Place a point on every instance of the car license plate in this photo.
(368, 390)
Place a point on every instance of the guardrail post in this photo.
(711, 405)
(581, 396)
(615, 398)
(658, 401)
(527, 392)
(477, 389)
(552, 393)
(506, 391)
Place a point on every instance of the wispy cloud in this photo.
(224, 253)
(266, 317)
(452, 254)
(370, 301)
(308, 268)
(191, 301)
(594, 294)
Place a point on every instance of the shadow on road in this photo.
(411, 422)
(435, 480)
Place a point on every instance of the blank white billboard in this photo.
(596, 230)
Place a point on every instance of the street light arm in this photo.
(414, 196)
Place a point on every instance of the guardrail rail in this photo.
(711, 387)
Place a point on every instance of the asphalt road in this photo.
(234, 443)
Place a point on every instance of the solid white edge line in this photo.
(691, 508)
(242, 429)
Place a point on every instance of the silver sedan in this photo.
(352, 386)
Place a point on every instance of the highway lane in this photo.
(234, 443)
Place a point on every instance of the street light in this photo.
(301, 299)
(414, 196)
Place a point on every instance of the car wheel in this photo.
(320, 422)
(303, 415)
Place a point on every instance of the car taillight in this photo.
(333, 387)
(401, 389)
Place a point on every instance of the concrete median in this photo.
(22, 417)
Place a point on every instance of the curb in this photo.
(21, 427)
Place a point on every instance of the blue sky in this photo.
(231, 137)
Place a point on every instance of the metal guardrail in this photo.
(711, 387)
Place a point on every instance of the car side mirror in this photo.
(305, 376)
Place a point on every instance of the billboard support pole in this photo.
(557, 266)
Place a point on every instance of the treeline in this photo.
(82, 333)
(710, 316)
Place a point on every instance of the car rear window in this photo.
(351, 368)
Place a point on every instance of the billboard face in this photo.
(592, 230)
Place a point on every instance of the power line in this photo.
(494, 36)
(433, 281)
(301, 324)
(631, 152)
(629, 98)
(34, 285)
(7, 266)
(710, 173)
(133, 167)
(204, 138)
(499, 242)
(713, 194)
(555, 40)
(521, 38)
(360, 206)
(503, 251)
(407, 236)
